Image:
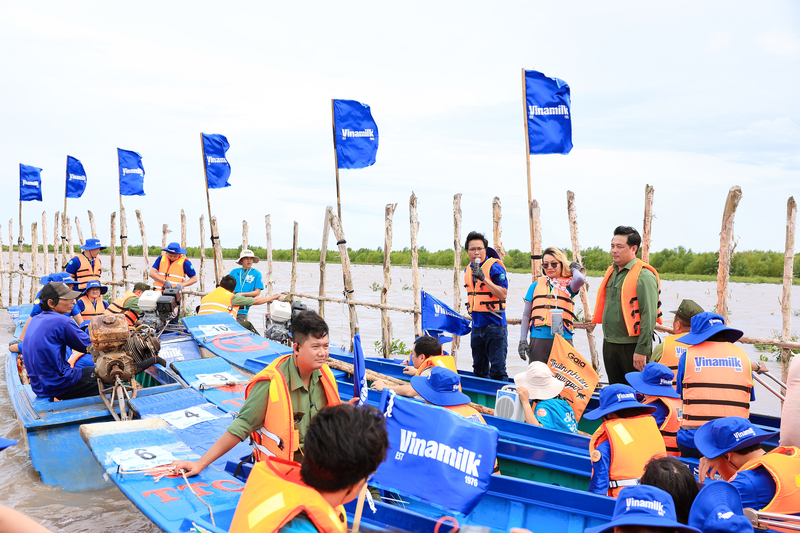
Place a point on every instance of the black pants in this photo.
(618, 360)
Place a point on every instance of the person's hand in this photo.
(575, 266)
(378, 385)
(167, 284)
(710, 467)
(410, 371)
(192, 468)
(353, 401)
(274, 297)
(759, 367)
(179, 286)
(639, 361)
(524, 395)
(522, 349)
(477, 273)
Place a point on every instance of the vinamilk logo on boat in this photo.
(730, 362)
(459, 458)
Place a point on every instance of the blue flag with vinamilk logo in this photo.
(435, 454)
(131, 173)
(355, 134)
(436, 315)
(76, 178)
(360, 389)
(30, 183)
(218, 170)
(549, 113)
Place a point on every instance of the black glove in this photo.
(477, 273)
(575, 266)
(522, 348)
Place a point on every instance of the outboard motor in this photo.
(278, 323)
(158, 308)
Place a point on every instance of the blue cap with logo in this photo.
(93, 244)
(615, 398)
(440, 387)
(728, 434)
(706, 325)
(654, 380)
(63, 277)
(718, 509)
(174, 248)
(643, 505)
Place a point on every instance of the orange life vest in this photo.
(86, 272)
(172, 271)
(91, 309)
(479, 297)
(551, 298)
(673, 351)
(275, 494)
(217, 301)
(472, 414)
(716, 383)
(628, 299)
(444, 361)
(279, 436)
(634, 441)
(783, 464)
(669, 428)
(116, 308)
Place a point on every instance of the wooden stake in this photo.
(145, 250)
(56, 246)
(44, 244)
(64, 258)
(245, 232)
(81, 242)
(323, 257)
(336, 162)
(218, 267)
(211, 219)
(2, 267)
(164, 230)
(293, 282)
(726, 247)
(123, 241)
(92, 225)
(497, 231)
(113, 250)
(183, 229)
(537, 240)
(359, 509)
(535, 271)
(268, 227)
(34, 259)
(202, 254)
(19, 256)
(572, 215)
(457, 273)
(647, 226)
(788, 275)
(346, 272)
(415, 262)
(69, 240)
(10, 258)
(386, 324)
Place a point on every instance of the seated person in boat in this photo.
(75, 312)
(223, 300)
(173, 267)
(766, 481)
(91, 302)
(627, 439)
(655, 383)
(344, 445)
(425, 355)
(670, 351)
(550, 411)
(281, 400)
(127, 304)
(644, 509)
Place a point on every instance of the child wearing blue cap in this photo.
(91, 302)
(655, 383)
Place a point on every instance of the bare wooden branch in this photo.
(113, 252)
(19, 255)
(323, 257)
(457, 276)
(414, 219)
(726, 247)
(46, 265)
(34, 258)
(65, 255)
(164, 230)
(537, 239)
(81, 242)
(268, 226)
(2, 269)
(183, 229)
(788, 275)
(123, 241)
(218, 266)
(647, 225)
(145, 249)
(56, 245)
(293, 282)
(386, 325)
(92, 225)
(245, 232)
(497, 230)
(346, 271)
(10, 259)
(202, 254)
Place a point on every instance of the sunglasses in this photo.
(551, 265)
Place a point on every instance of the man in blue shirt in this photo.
(487, 288)
(248, 284)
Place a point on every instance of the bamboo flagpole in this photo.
(214, 238)
(336, 161)
(528, 168)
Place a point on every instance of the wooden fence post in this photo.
(113, 249)
(34, 259)
(457, 276)
(123, 241)
(183, 229)
(202, 254)
(293, 282)
(2, 267)
(647, 225)
(323, 258)
(537, 240)
(92, 225)
(80, 233)
(726, 247)
(46, 269)
(19, 257)
(788, 274)
(217, 249)
(268, 226)
(56, 246)
(497, 231)
(10, 258)
(145, 250)
(164, 230)
(415, 263)
(245, 235)
(64, 254)
(386, 324)
(346, 272)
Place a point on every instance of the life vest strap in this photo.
(554, 307)
(263, 449)
(669, 433)
(272, 436)
(619, 483)
(744, 388)
(703, 418)
(743, 405)
(552, 297)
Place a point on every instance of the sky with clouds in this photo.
(690, 97)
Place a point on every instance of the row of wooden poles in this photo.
(63, 250)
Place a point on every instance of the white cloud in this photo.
(779, 42)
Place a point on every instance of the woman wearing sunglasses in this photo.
(549, 305)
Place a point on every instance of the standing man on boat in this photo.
(86, 266)
(487, 288)
(248, 283)
(173, 268)
(672, 349)
(628, 307)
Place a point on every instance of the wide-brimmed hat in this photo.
(5, 443)
(706, 325)
(540, 381)
(687, 309)
(644, 505)
(57, 290)
(93, 244)
(247, 253)
(718, 509)
(440, 387)
(728, 434)
(654, 380)
(174, 248)
(63, 277)
(94, 284)
(616, 397)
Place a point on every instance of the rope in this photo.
(444, 519)
(210, 510)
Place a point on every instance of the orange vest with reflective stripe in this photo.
(716, 383)
(669, 428)
(783, 464)
(671, 356)
(634, 441)
(628, 299)
(116, 308)
(551, 298)
(172, 271)
(86, 272)
(275, 494)
(91, 309)
(279, 436)
(479, 297)
(445, 361)
(218, 301)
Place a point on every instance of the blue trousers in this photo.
(489, 349)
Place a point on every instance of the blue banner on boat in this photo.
(76, 178)
(356, 134)
(360, 389)
(218, 170)
(30, 183)
(131, 173)
(435, 454)
(438, 316)
(549, 115)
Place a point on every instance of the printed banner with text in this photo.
(549, 115)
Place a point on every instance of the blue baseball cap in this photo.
(93, 244)
(615, 398)
(728, 434)
(5, 443)
(63, 277)
(174, 248)
(644, 505)
(654, 380)
(440, 387)
(718, 509)
(706, 325)
(94, 284)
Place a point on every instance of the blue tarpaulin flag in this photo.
(218, 170)
(355, 134)
(30, 183)
(360, 389)
(76, 178)
(549, 115)
(435, 454)
(131, 173)
(436, 315)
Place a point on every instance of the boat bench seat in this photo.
(47, 404)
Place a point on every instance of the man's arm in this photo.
(155, 275)
(598, 484)
(403, 390)
(224, 444)
(647, 294)
(498, 285)
(75, 338)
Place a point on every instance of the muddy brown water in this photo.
(754, 308)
